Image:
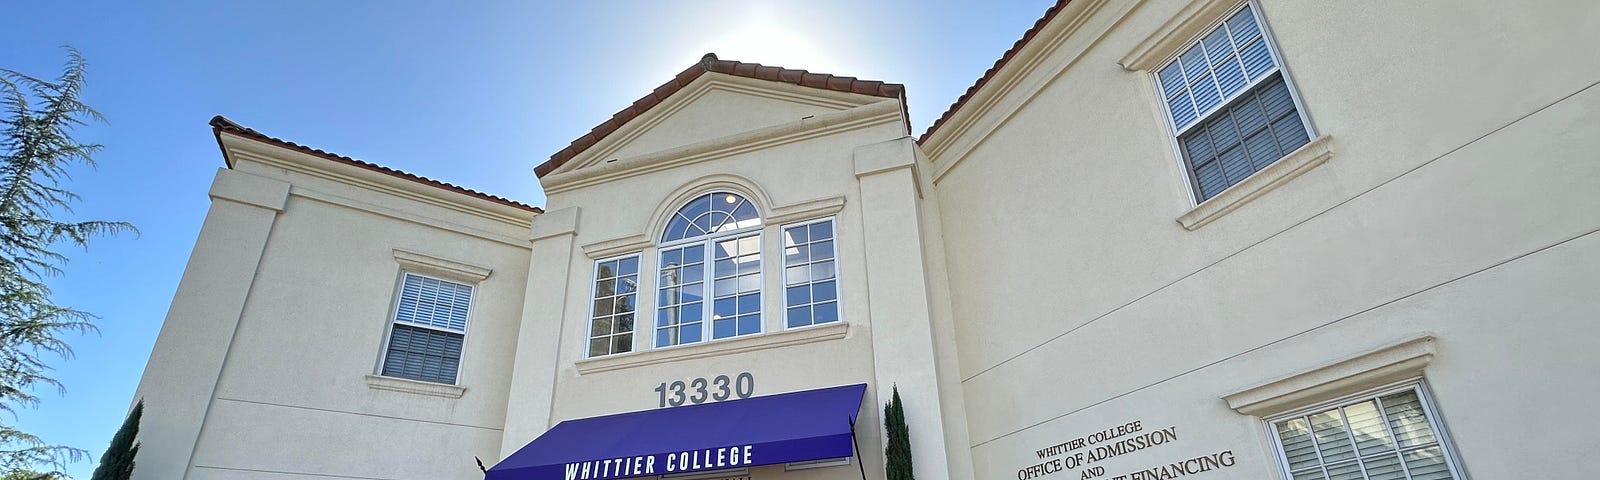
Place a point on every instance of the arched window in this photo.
(722, 230)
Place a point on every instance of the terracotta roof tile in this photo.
(710, 63)
(998, 64)
(220, 125)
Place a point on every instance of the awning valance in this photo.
(789, 427)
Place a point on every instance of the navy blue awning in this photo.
(789, 427)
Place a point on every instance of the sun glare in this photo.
(767, 36)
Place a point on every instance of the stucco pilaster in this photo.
(181, 377)
(902, 331)
(533, 374)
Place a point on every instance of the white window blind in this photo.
(1216, 69)
(434, 303)
(1392, 436)
(429, 327)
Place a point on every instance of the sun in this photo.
(767, 36)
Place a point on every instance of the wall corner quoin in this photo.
(554, 223)
(885, 156)
(248, 189)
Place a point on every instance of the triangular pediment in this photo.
(715, 99)
(714, 106)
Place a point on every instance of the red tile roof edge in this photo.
(220, 124)
(998, 64)
(710, 63)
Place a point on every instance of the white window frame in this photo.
(394, 313)
(708, 281)
(1173, 132)
(783, 284)
(594, 276)
(1424, 396)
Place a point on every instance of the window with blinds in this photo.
(429, 327)
(1391, 436)
(1230, 104)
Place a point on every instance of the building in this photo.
(1159, 239)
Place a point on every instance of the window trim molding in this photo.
(823, 463)
(1176, 33)
(406, 385)
(705, 349)
(1314, 153)
(709, 184)
(425, 264)
(781, 214)
(1396, 361)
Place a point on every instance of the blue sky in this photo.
(474, 94)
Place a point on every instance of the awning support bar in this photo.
(857, 444)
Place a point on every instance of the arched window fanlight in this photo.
(711, 213)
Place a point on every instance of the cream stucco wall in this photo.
(807, 166)
(310, 297)
(1455, 204)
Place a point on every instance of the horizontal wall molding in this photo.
(248, 189)
(383, 211)
(794, 212)
(799, 336)
(321, 168)
(821, 125)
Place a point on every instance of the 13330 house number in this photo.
(699, 390)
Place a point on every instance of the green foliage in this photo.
(899, 447)
(117, 462)
(36, 149)
(32, 475)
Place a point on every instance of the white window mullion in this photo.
(1355, 447)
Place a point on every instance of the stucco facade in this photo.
(1036, 274)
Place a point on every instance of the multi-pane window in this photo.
(1230, 105)
(430, 324)
(616, 284)
(1388, 436)
(680, 305)
(736, 301)
(810, 291)
(721, 231)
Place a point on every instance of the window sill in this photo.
(799, 336)
(380, 382)
(1392, 363)
(1294, 164)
